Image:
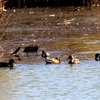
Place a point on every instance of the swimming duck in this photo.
(53, 60)
(9, 64)
(44, 54)
(15, 53)
(97, 56)
(72, 60)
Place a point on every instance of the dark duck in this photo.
(31, 49)
(9, 64)
(44, 54)
(97, 56)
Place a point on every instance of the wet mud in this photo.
(59, 31)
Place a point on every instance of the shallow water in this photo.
(52, 81)
(60, 31)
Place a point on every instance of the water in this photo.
(51, 82)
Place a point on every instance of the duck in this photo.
(15, 53)
(31, 48)
(44, 54)
(97, 56)
(9, 64)
(55, 60)
(72, 60)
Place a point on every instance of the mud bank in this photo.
(60, 31)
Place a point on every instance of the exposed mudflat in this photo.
(59, 31)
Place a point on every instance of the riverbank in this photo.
(60, 31)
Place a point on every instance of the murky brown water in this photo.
(60, 31)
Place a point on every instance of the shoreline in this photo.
(54, 30)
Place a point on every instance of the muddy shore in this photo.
(51, 28)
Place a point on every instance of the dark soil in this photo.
(49, 28)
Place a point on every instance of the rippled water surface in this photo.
(60, 31)
(51, 82)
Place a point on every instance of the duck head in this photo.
(71, 57)
(11, 61)
(58, 58)
(97, 56)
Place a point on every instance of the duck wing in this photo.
(48, 60)
(16, 50)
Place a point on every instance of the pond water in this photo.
(51, 82)
(60, 31)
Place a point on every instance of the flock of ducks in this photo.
(44, 55)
